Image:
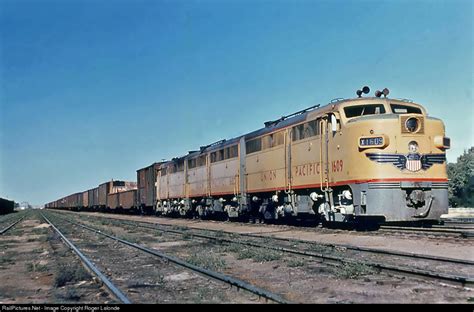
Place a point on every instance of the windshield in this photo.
(362, 110)
(405, 109)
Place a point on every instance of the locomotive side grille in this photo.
(384, 185)
(421, 129)
(439, 185)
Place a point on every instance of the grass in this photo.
(130, 238)
(258, 255)
(318, 248)
(296, 262)
(36, 267)
(72, 294)
(232, 248)
(207, 261)
(187, 236)
(206, 295)
(160, 282)
(7, 258)
(353, 270)
(70, 274)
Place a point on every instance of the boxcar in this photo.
(6, 206)
(146, 187)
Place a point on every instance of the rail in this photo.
(90, 265)
(216, 275)
(11, 225)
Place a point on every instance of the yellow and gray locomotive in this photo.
(351, 160)
(367, 158)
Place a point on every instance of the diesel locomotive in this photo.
(352, 160)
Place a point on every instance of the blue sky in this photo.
(92, 90)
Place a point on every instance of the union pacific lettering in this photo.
(268, 176)
(307, 169)
(315, 168)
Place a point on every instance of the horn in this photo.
(359, 93)
(385, 92)
(366, 89)
(378, 93)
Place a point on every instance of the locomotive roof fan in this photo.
(365, 90)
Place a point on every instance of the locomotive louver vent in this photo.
(421, 127)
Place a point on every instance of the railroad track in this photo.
(335, 259)
(4, 230)
(206, 272)
(88, 263)
(437, 231)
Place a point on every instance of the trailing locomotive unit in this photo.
(355, 159)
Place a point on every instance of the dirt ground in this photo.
(457, 249)
(298, 279)
(33, 263)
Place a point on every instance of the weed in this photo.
(130, 238)
(160, 281)
(69, 274)
(72, 294)
(317, 248)
(36, 267)
(353, 270)
(206, 295)
(233, 247)
(258, 255)
(187, 236)
(295, 262)
(207, 261)
(7, 259)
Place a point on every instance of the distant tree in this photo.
(461, 180)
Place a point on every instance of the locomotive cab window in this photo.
(179, 166)
(306, 130)
(362, 110)
(272, 140)
(405, 109)
(253, 146)
(192, 163)
(201, 161)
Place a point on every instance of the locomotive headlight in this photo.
(413, 147)
(412, 124)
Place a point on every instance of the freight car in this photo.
(146, 192)
(101, 198)
(353, 160)
(6, 206)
